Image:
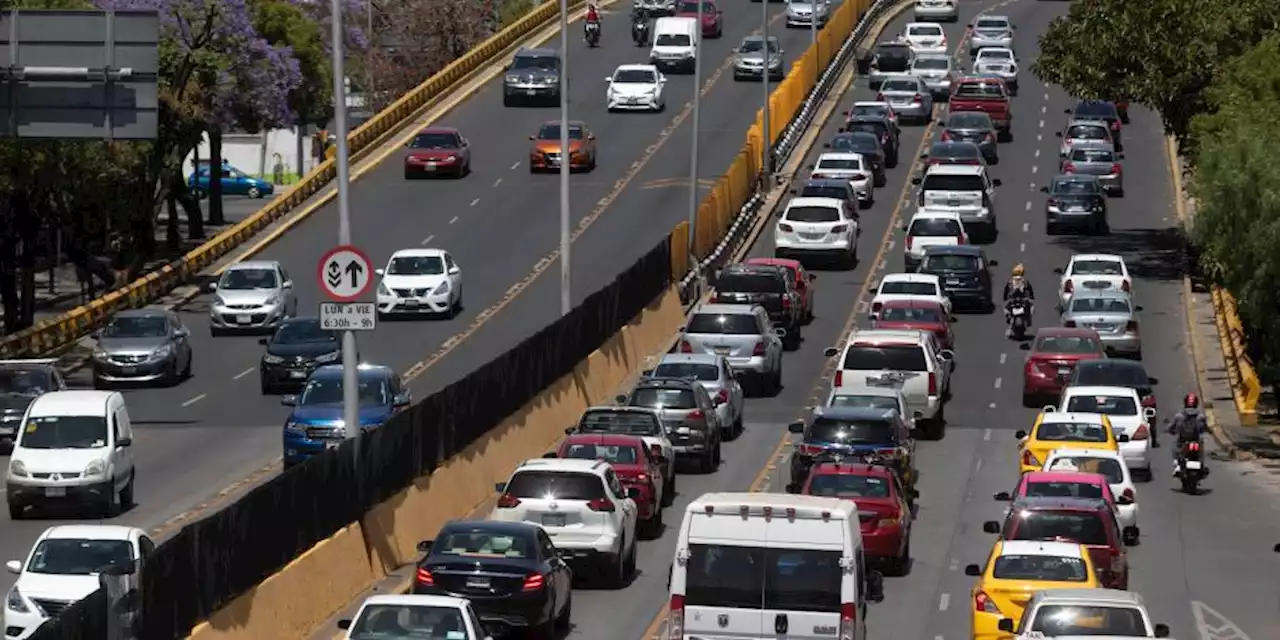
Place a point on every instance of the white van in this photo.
(74, 448)
(756, 565)
(675, 43)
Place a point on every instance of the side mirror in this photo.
(875, 586)
(1019, 434)
(972, 570)
(381, 272)
(287, 284)
(917, 415)
(1138, 308)
(795, 427)
(609, 79)
(1043, 189)
(812, 277)
(1122, 438)
(14, 566)
(780, 332)
(1057, 133)
(991, 526)
(211, 287)
(947, 355)
(830, 352)
(1003, 496)
(532, 138)
(717, 401)
(262, 341)
(289, 401)
(793, 487)
(620, 398)
(1161, 630)
(1153, 381)
(924, 156)
(550, 455)
(634, 493)
(500, 487)
(1130, 536)
(1058, 270)
(656, 451)
(1149, 413)
(1005, 625)
(811, 167)
(454, 270)
(997, 182)
(1124, 500)
(591, 136)
(1048, 408)
(568, 431)
(425, 546)
(1026, 346)
(344, 624)
(916, 180)
(826, 145)
(124, 442)
(402, 400)
(97, 335)
(993, 263)
(1119, 156)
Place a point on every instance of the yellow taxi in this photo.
(1065, 430)
(1015, 571)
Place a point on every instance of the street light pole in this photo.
(766, 164)
(566, 300)
(813, 32)
(350, 390)
(693, 153)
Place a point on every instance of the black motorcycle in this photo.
(593, 34)
(640, 31)
(1189, 467)
(1018, 315)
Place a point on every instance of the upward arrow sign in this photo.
(354, 270)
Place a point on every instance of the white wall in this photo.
(244, 152)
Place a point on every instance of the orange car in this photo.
(545, 155)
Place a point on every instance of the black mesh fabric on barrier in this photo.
(83, 620)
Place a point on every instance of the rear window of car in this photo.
(898, 287)
(756, 578)
(557, 485)
(910, 314)
(1109, 374)
(885, 358)
(660, 398)
(1078, 619)
(899, 84)
(1109, 405)
(740, 324)
(858, 143)
(840, 164)
(875, 128)
(932, 64)
(1067, 344)
(1087, 154)
(850, 431)
(1083, 527)
(1076, 187)
(1096, 110)
(700, 371)
(751, 283)
(864, 402)
(1107, 467)
(1096, 268)
(934, 228)
(951, 262)
(819, 191)
(969, 120)
(1099, 305)
(1040, 568)
(924, 30)
(633, 423)
(979, 91)
(992, 23)
(846, 485)
(940, 182)
(1063, 490)
(611, 453)
(813, 214)
(1087, 132)
(1072, 432)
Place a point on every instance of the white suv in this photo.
(812, 227)
(969, 190)
(583, 507)
(906, 361)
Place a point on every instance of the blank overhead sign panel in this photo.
(79, 74)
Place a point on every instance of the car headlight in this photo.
(513, 79)
(162, 352)
(272, 359)
(294, 427)
(383, 290)
(775, 62)
(15, 602)
(17, 468)
(272, 301)
(442, 289)
(95, 469)
(551, 80)
(329, 357)
(219, 302)
(99, 354)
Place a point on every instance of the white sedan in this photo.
(420, 282)
(926, 37)
(636, 87)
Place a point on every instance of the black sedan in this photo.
(1077, 201)
(297, 347)
(867, 144)
(510, 571)
(883, 131)
(975, 127)
(953, 153)
(965, 272)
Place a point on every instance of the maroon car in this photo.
(437, 151)
(636, 466)
(712, 20)
(1054, 354)
(917, 315)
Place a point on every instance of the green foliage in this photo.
(282, 22)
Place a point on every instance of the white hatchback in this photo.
(817, 227)
(636, 87)
(852, 167)
(1123, 407)
(931, 229)
(909, 286)
(1097, 271)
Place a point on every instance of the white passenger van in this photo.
(766, 565)
(675, 44)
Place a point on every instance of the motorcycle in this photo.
(640, 32)
(1189, 467)
(1019, 318)
(593, 34)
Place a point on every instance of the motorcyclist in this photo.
(1189, 424)
(639, 20)
(593, 18)
(1018, 288)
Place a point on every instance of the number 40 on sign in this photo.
(348, 316)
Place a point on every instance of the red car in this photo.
(1054, 354)
(437, 151)
(803, 279)
(917, 315)
(1063, 484)
(636, 466)
(712, 19)
(884, 507)
(1088, 522)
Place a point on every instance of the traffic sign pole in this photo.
(350, 391)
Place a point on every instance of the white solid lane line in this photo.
(243, 373)
(195, 400)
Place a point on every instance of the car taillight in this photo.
(1128, 493)
(962, 238)
(1117, 565)
(1053, 202)
(1116, 168)
(839, 228)
(1070, 324)
(759, 350)
(858, 176)
(534, 582)
(508, 501)
(1115, 125)
(917, 98)
(1068, 168)
(875, 307)
(839, 381)
(675, 618)
(933, 384)
(723, 396)
(1124, 286)
(946, 136)
(425, 578)
(810, 449)
(1149, 401)
(696, 414)
(1142, 433)
(786, 302)
(786, 227)
(601, 504)
(685, 347)
(848, 620)
(818, 176)
(910, 241)
(880, 97)
(1029, 459)
(983, 602)
(1132, 326)
(1069, 286)
(1193, 446)
(990, 138)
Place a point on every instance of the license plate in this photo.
(553, 520)
(1064, 371)
(532, 92)
(332, 444)
(1192, 464)
(724, 351)
(244, 319)
(298, 375)
(410, 303)
(883, 382)
(431, 165)
(128, 371)
(955, 203)
(1017, 311)
(478, 583)
(953, 283)
(55, 492)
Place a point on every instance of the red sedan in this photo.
(712, 19)
(917, 315)
(636, 466)
(1054, 354)
(437, 151)
(803, 279)
(884, 508)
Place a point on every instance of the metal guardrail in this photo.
(1246, 387)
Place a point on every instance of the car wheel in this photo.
(254, 192)
(408, 175)
(17, 511)
(186, 371)
(738, 427)
(126, 494)
(99, 383)
(506, 100)
(669, 491)
(707, 463)
(172, 377)
(566, 614)
(1029, 400)
(901, 565)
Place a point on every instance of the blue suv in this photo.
(316, 422)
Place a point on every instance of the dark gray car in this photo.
(22, 381)
(532, 77)
(1098, 160)
(689, 413)
(867, 144)
(975, 127)
(1075, 201)
(142, 345)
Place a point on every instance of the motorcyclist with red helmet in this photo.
(1189, 424)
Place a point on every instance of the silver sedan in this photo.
(715, 375)
(1112, 315)
(990, 31)
(937, 72)
(908, 97)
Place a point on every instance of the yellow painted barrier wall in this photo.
(1245, 385)
(62, 331)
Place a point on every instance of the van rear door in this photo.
(803, 577)
(724, 577)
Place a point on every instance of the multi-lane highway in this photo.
(196, 439)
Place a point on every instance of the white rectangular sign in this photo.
(348, 316)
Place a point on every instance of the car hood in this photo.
(757, 57)
(303, 349)
(432, 154)
(139, 346)
(246, 296)
(412, 282)
(330, 413)
(629, 89)
(554, 145)
(707, 17)
(46, 586)
(60, 460)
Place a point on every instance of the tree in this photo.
(1160, 53)
(287, 23)
(417, 38)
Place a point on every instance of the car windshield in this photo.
(846, 485)
(1106, 467)
(1109, 405)
(64, 432)
(885, 358)
(696, 370)
(855, 142)
(1108, 373)
(899, 84)
(824, 191)
(887, 403)
(934, 228)
(632, 423)
(541, 63)
(611, 453)
(483, 544)
(998, 55)
(850, 432)
(308, 332)
(969, 120)
(25, 382)
(893, 51)
(924, 30)
(672, 40)
(910, 314)
(1082, 527)
(408, 622)
(950, 262)
(1096, 268)
(941, 182)
(992, 23)
(979, 90)
(839, 164)
(1087, 132)
(1075, 187)
(932, 64)
(1096, 110)
(869, 110)
(1040, 568)
(248, 279)
(555, 485)
(754, 45)
(77, 557)
(960, 150)
(1064, 490)
(1071, 432)
(708, 8)
(1067, 344)
(327, 391)
(874, 127)
(416, 266)
(1076, 619)
(663, 398)
(750, 283)
(137, 327)
(1099, 305)
(813, 214)
(552, 132)
(1092, 154)
(435, 141)
(901, 288)
(634, 76)
(730, 324)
